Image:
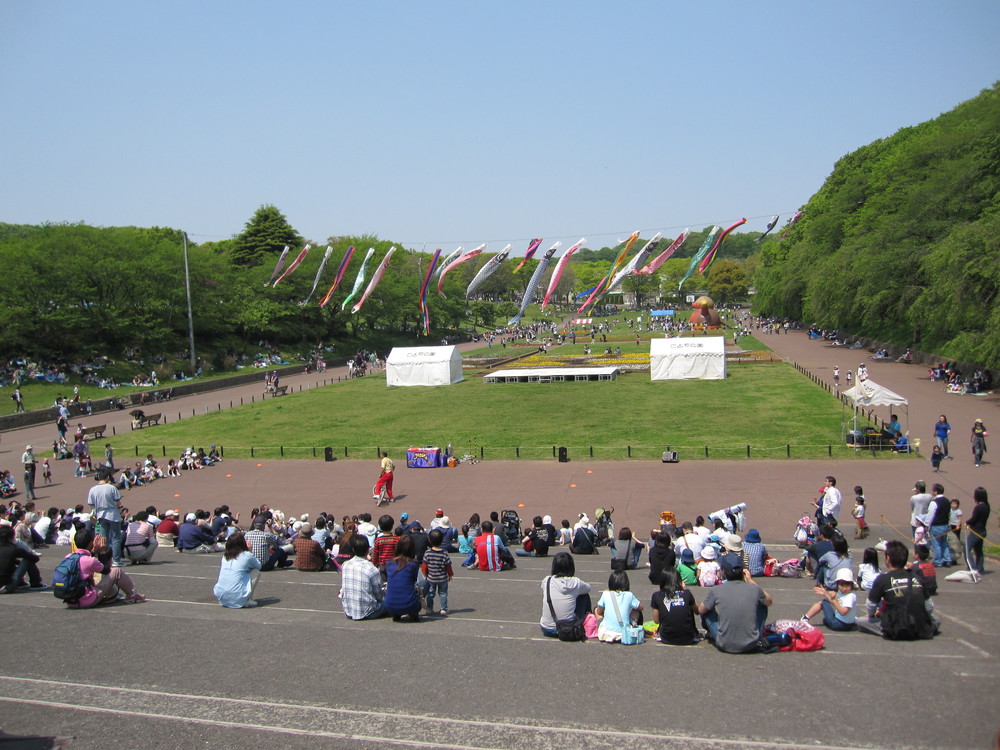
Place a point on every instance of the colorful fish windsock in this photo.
(528, 253)
(536, 277)
(425, 311)
(557, 273)
(295, 264)
(585, 293)
(654, 265)
(278, 266)
(791, 223)
(714, 252)
(359, 279)
(770, 225)
(376, 278)
(629, 269)
(459, 261)
(450, 257)
(601, 289)
(340, 275)
(488, 269)
(700, 255)
(319, 272)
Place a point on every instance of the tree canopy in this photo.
(266, 234)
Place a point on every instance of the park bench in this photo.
(281, 390)
(97, 431)
(138, 422)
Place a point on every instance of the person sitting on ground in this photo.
(194, 538)
(754, 553)
(491, 553)
(384, 548)
(709, 570)
(610, 627)
(239, 573)
(687, 568)
(734, 613)
(401, 582)
(166, 531)
(345, 546)
(732, 558)
(673, 610)
(839, 558)
(837, 606)
(584, 538)
(662, 556)
(688, 538)
(625, 551)
(896, 598)
(265, 545)
(569, 596)
(95, 557)
(309, 556)
(361, 584)
(16, 561)
(536, 542)
(565, 533)
(140, 539)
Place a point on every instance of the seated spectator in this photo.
(166, 531)
(192, 537)
(687, 569)
(309, 556)
(837, 606)
(617, 608)
(239, 573)
(894, 594)
(266, 545)
(754, 553)
(709, 571)
(734, 613)
(361, 585)
(536, 542)
(836, 559)
(16, 561)
(673, 610)
(95, 557)
(491, 553)
(140, 539)
(732, 558)
(584, 541)
(563, 593)
(625, 551)
(661, 556)
(401, 582)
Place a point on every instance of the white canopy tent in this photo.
(423, 365)
(869, 393)
(699, 358)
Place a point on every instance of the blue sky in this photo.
(459, 123)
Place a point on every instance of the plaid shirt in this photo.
(261, 543)
(360, 588)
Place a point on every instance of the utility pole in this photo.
(187, 287)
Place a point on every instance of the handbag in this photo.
(566, 630)
(631, 634)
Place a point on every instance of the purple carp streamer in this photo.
(770, 225)
(700, 255)
(278, 266)
(340, 275)
(459, 261)
(528, 253)
(360, 278)
(450, 257)
(488, 269)
(536, 278)
(295, 264)
(425, 311)
(319, 272)
(376, 278)
(629, 269)
(654, 265)
(557, 273)
(791, 223)
(713, 254)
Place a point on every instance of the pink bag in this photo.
(805, 636)
(590, 625)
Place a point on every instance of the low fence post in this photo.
(788, 450)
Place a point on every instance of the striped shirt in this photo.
(438, 565)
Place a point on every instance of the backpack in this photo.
(907, 619)
(67, 579)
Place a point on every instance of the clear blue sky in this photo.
(462, 122)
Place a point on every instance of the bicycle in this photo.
(380, 495)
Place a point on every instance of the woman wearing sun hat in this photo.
(979, 435)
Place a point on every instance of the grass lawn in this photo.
(765, 406)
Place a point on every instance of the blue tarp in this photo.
(661, 313)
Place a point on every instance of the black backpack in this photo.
(67, 579)
(907, 618)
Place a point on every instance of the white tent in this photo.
(701, 357)
(868, 393)
(423, 365)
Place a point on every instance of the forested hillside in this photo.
(902, 242)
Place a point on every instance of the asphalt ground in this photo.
(180, 671)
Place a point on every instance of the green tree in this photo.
(265, 235)
(726, 282)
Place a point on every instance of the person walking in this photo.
(941, 432)
(18, 401)
(979, 435)
(30, 466)
(385, 478)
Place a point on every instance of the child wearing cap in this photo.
(687, 568)
(837, 606)
(708, 569)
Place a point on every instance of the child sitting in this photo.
(708, 569)
(868, 569)
(837, 606)
(687, 568)
(924, 570)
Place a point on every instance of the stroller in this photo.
(511, 523)
(604, 525)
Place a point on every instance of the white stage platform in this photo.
(551, 374)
